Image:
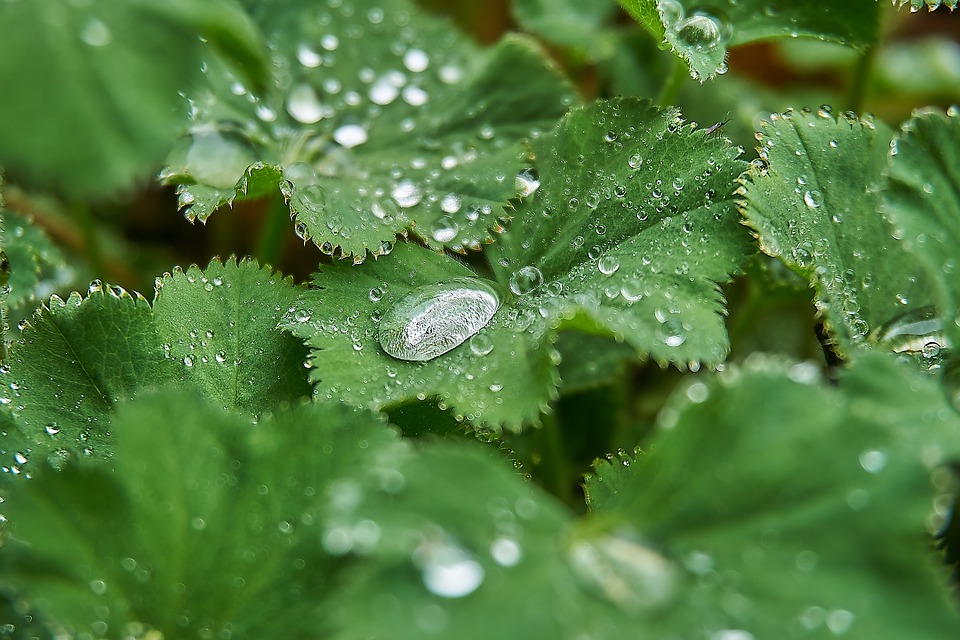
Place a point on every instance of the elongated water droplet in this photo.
(911, 332)
(435, 318)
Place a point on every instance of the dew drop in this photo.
(813, 199)
(406, 193)
(608, 265)
(416, 60)
(96, 33)
(448, 570)
(699, 32)
(350, 135)
(435, 318)
(481, 344)
(308, 57)
(525, 280)
(304, 105)
(445, 229)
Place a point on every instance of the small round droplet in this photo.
(350, 135)
(407, 194)
(445, 229)
(436, 318)
(525, 280)
(608, 265)
(813, 199)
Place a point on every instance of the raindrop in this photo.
(448, 570)
(96, 33)
(415, 96)
(416, 60)
(699, 32)
(350, 135)
(635, 161)
(506, 552)
(608, 265)
(525, 280)
(527, 183)
(445, 229)
(481, 344)
(912, 332)
(406, 193)
(435, 318)
(303, 104)
(450, 203)
(873, 461)
(839, 621)
(308, 57)
(383, 91)
(813, 198)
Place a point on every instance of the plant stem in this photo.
(91, 239)
(273, 233)
(861, 78)
(673, 83)
(553, 468)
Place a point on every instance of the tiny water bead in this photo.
(436, 318)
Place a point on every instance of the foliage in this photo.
(553, 359)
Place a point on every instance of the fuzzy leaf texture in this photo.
(77, 358)
(96, 104)
(378, 122)
(813, 200)
(922, 197)
(806, 509)
(700, 32)
(633, 248)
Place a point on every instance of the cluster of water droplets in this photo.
(353, 75)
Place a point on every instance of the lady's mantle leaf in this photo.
(699, 32)
(207, 525)
(659, 209)
(76, 358)
(931, 5)
(922, 197)
(812, 198)
(36, 263)
(106, 77)
(786, 500)
(381, 121)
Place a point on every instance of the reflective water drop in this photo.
(350, 135)
(626, 573)
(383, 91)
(527, 183)
(911, 332)
(525, 280)
(445, 229)
(873, 461)
(406, 193)
(96, 33)
(699, 32)
(435, 318)
(304, 105)
(608, 265)
(813, 198)
(416, 60)
(481, 344)
(308, 57)
(448, 570)
(505, 551)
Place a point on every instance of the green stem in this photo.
(553, 465)
(273, 233)
(861, 78)
(673, 83)
(91, 239)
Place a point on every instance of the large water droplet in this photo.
(406, 193)
(911, 332)
(435, 318)
(699, 32)
(304, 105)
(96, 33)
(448, 570)
(624, 572)
(416, 60)
(350, 135)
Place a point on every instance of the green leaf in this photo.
(572, 23)
(663, 288)
(108, 74)
(35, 261)
(221, 323)
(381, 122)
(796, 506)
(462, 537)
(633, 227)
(813, 200)
(922, 197)
(208, 523)
(700, 32)
(76, 358)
